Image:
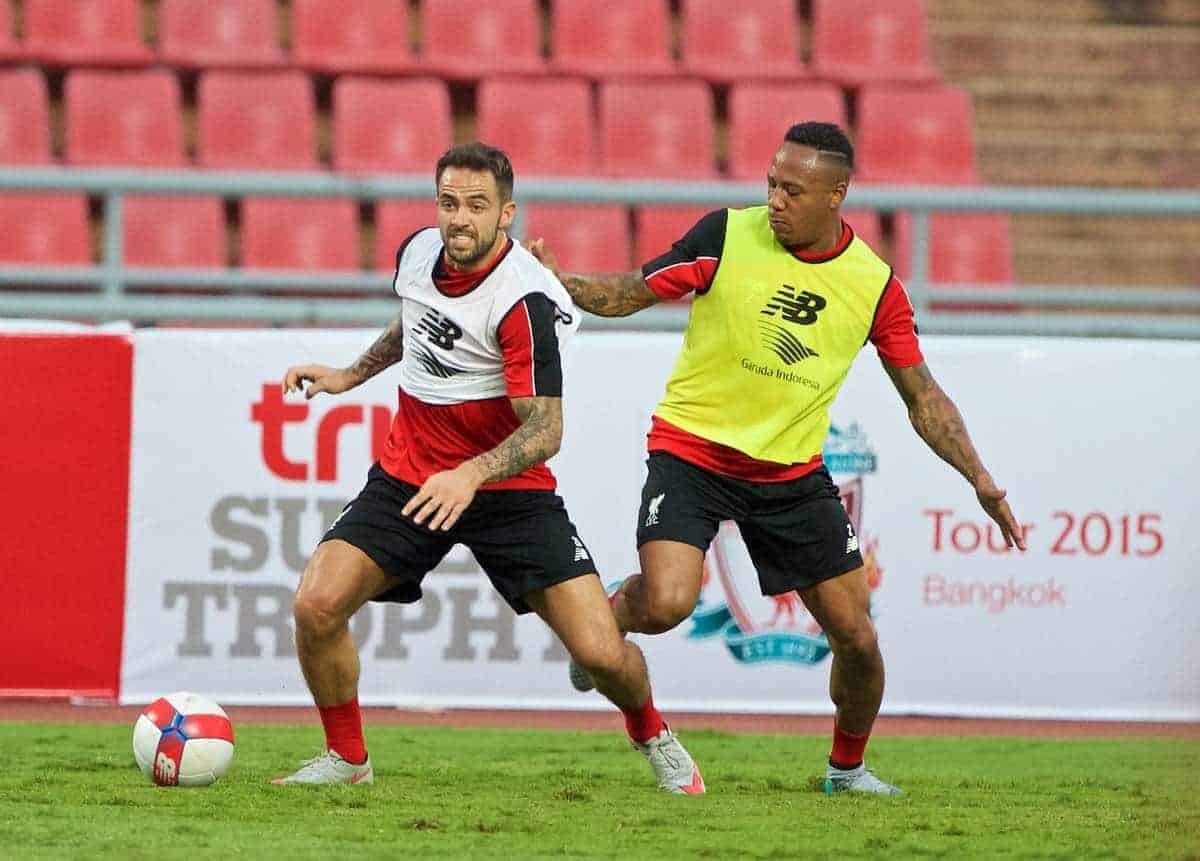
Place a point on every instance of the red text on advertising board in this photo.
(273, 413)
(1092, 534)
(1098, 534)
(966, 536)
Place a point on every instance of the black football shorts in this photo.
(523, 539)
(797, 532)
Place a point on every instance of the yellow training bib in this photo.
(768, 345)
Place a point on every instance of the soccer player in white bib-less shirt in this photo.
(478, 341)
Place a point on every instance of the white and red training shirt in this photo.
(472, 342)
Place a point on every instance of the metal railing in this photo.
(1164, 312)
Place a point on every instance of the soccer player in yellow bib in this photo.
(783, 292)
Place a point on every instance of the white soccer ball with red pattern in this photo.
(183, 739)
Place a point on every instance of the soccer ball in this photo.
(183, 740)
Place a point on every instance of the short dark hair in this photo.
(479, 156)
(823, 137)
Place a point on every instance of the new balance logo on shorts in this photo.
(580, 551)
(652, 510)
(851, 539)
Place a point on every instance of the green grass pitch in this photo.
(73, 791)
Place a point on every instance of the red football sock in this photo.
(847, 748)
(343, 731)
(645, 723)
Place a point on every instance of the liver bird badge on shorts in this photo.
(778, 628)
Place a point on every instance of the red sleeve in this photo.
(529, 344)
(692, 262)
(894, 332)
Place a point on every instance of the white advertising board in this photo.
(1095, 441)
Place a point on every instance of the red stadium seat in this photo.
(748, 40)
(500, 37)
(861, 41)
(866, 226)
(964, 248)
(49, 229)
(395, 221)
(657, 129)
(123, 118)
(174, 231)
(256, 120)
(229, 33)
(9, 48)
(299, 234)
(546, 127)
(351, 36)
(914, 136)
(24, 117)
(760, 115)
(103, 32)
(660, 227)
(583, 238)
(389, 125)
(624, 38)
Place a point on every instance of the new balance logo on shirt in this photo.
(441, 330)
(580, 551)
(794, 307)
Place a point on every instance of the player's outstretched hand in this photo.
(539, 250)
(320, 378)
(993, 502)
(443, 497)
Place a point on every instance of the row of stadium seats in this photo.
(664, 125)
(313, 234)
(550, 127)
(852, 41)
(318, 235)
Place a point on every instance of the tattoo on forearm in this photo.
(938, 422)
(941, 426)
(385, 352)
(615, 295)
(535, 441)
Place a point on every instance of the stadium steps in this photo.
(1160, 13)
(1124, 79)
(1087, 105)
(1130, 159)
(1088, 51)
(1141, 257)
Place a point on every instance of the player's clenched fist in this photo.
(320, 378)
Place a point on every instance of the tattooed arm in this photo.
(385, 352)
(445, 495)
(609, 295)
(937, 421)
(616, 295)
(536, 441)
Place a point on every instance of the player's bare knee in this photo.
(665, 610)
(857, 640)
(600, 657)
(317, 616)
